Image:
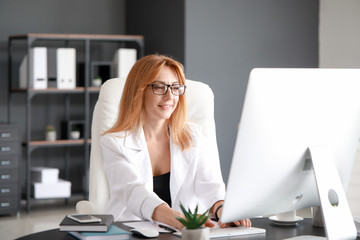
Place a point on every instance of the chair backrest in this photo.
(200, 101)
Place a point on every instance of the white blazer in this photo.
(195, 175)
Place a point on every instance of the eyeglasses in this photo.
(162, 88)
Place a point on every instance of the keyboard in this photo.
(235, 231)
(231, 232)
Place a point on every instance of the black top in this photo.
(162, 187)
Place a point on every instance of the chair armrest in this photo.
(85, 207)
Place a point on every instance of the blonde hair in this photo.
(143, 73)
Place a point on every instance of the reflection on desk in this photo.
(272, 231)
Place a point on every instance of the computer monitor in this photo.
(296, 142)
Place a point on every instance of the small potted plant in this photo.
(97, 81)
(50, 133)
(193, 223)
(75, 133)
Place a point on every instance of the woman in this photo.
(153, 158)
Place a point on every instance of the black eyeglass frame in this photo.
(167, 86)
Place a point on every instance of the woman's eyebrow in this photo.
(159, 81)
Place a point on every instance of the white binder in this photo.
(124, 59)
(66, 68)
(37, 71)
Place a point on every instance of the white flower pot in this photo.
(50, 136)
(75, 134)
(195, 234)
(96, 82)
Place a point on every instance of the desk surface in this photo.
(272, 231)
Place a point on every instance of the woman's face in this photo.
(160, 107)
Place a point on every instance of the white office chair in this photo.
(200, 101)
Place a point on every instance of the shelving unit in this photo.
(88, 49)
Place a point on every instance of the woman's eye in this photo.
(159, 87)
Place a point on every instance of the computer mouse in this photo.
(145, 232)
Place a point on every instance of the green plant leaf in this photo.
(186, 213)
(183, 221)
(193, 220)
(195, 214)
(203, 218)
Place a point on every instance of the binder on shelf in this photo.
(37, 71)
(124, 59)
(66, 68)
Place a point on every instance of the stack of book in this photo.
(94, 231)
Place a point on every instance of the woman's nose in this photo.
(169, 94)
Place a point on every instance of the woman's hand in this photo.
(243, 222)
(217, 211)
(164, 214)
(209, 223)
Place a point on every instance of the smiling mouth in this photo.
(165, 106)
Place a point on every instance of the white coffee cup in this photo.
(286, 216)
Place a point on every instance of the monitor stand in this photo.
(336, 214)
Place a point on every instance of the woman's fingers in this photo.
(243, 222)
(238, 223)
(208, 223)
(222, 225)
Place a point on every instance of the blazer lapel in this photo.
(137, 152)
(180, 165)
(180, 161)
(135, 140)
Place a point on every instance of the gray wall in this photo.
(161, 22)
(225, 39)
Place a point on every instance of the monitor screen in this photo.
(286, 112)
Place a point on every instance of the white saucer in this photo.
(278, 221)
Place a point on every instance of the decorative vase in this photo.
(195, 234)
(50, 136)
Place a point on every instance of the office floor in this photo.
(43, 216)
